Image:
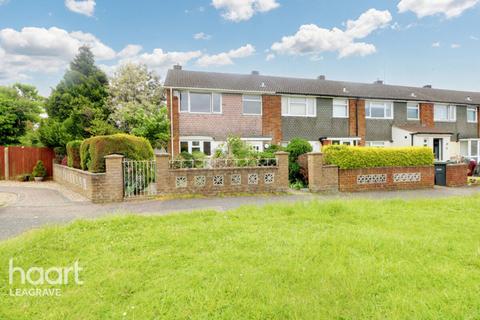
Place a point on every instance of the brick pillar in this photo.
(321, 178)
(113, 188)
(357, 126)
(174, 118)
(282, 163)
(427, 115)
(272, 118)
(163, 176)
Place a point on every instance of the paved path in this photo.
(32, 206)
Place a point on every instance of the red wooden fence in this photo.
(21, 160)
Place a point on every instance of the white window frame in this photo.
(413, 106)
(251, 100)
(469, 155)
(200, 140)
(385, 104)
(288, 113)
(211, 103)
(475, 109)
(340, 103)
(354, 142)
(449, 107)
(377, 144)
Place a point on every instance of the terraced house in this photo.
(205, 108)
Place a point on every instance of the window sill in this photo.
(291, 116)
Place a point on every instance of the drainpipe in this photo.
(171, 122)
(356, 117)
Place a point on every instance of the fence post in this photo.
(163, 176)
(113, 178)
(282, 163)
(7, 164)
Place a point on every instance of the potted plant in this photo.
(39, 172)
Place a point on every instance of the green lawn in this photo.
(342, 260)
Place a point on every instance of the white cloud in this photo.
(311, 39)
(270, 57)
(226, 58)
(436, 45)
(130, 50)
(474, 38)
(241, 10)
(202, 36)
(424, 8)
(455, 46)
(85, 7)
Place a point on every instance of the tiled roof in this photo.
(282, 85)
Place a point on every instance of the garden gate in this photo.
(139, 178)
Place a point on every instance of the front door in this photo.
(438, 149)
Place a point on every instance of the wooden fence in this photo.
(21, 160)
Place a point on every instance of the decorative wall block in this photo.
(200, 181)
(181, 182)
(407, 177)
(269, 178)
(253, 178)
(218, 181)
(372, 179)
(236, 179)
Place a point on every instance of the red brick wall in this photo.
(357, 127)
(457, 175)
(220, 126)
(427, 115)
(347, 179)
(175, 124)
(272, 118)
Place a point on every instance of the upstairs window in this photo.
(379, 109)
(252, 105)
(299, 107)
(413, 111)
(445, 112)
(472, 114)
(200, 102)
(340, 108)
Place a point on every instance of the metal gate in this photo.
(139, 178)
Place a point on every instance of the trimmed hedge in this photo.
(94, 150)
(346, 157)
(73, 154)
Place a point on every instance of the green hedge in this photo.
(94, 150)
(346, 157)
(73, 154)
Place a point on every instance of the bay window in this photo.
(472, 114)
(413, 111)
(200, 102)
(445, 113)
(252, 105)
(379, 110)
(299, 107)
(340, 108)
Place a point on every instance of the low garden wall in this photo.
(222, 180)
(457, 175)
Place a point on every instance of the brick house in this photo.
(205, 108)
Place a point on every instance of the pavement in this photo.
(27, 206)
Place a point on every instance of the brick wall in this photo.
(427, 115)
(272, 118)
(377, 179)
(220, 126)
(457, 175)
(320, 177)
(173, 116)
(356, 121)
(251, 179)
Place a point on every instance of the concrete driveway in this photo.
(30, 206)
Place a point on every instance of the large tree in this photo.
(136, 101)
(20, 106)
(78, 102)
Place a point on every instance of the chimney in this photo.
(428, 86)
(378, 82)
(322, 77)
(177, 67)
(255, 73)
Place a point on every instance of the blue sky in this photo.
(407, 42)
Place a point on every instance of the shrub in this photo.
(39, 170)
(296, 148)
(346, 157)
(73, 154)
(94, 150)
